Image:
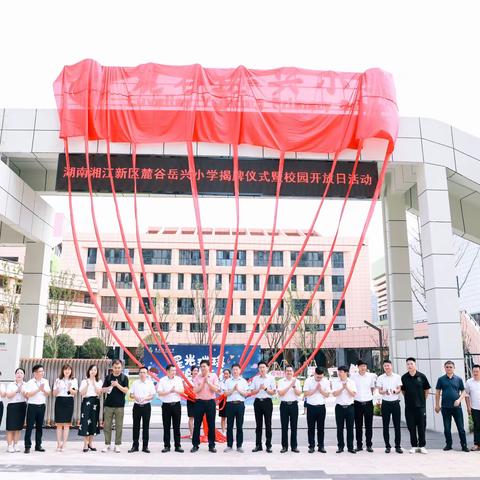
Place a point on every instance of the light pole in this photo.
(380, 338)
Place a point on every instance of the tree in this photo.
(62, 346)
(10, 286)
(104, 334)
(201, 319)
(93, 348)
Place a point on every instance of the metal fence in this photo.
(471, 359)
(52, 367)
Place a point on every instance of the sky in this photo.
(430, 47)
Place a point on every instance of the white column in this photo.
(397, 265)
(34, 297)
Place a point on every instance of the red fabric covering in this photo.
(288, 109)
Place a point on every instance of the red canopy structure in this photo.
(286, 109)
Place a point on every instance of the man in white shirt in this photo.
(389, 386)
(363, 405)
(263, 388)
(142, 392)
(169, 389)
(236, 389)
(472, 387)
(289, 389)
(36, 390)
(315, 390)
(344, 391)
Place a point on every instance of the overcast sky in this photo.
(430, 47)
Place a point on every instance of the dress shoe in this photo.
(359, 449)
(258, 449)
(179, 449)
(387, 450)
(133, 450)
(446, 448)
(212, 450)
(145, 450)
(352, 450)
(369, 449)
(398, 450)
(93, 449)
(465, 448)
(322, 450)
(194, 449)
(283, 450)
(295, 450)
(166, 449)
(311, 449)
(228, 449)
(85, 450)
(39, 449)
(240, 450)
(339, 450)
(269, 449)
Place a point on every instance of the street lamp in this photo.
(380, 338)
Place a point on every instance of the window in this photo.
(122, 326)
(293, 283)
(260, 258)
(179, 327)
(221, 306)
(154, 256)
(87, 298)
(240, 282)
(315, 327)
(266, 307)
(104, 280)
(140, 326)
(91, 256)
(197, 281)
(142, 281)
(225, 258)
(309, 282)
(87, 323)
(198, 327)
(337, 260)
(117, 255)
(147, 305)
(322, 308)
(218, 281)
(275, 327)
(298, 307)
(185, 306)
(275, 282)
(128, 304)
(237, 327)
(91, 275)
(164, 326)
(218, 328)
(192, 257)
(309, 259)
(161, 281)
(181, 281)
(342, 310)
(109, 305)
(339, 326)
(166, 305)
(243, 306)
(123, 280)
(256, 282)
(338, 283)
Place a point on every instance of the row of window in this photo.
(158, 256)
(162, 281)
(186, 306)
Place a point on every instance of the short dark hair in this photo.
(193, 367)
(361, 362)
(262, 362)
(411, 359)
(117, 361)
(236, 365)
(20, 368)
(226, 370)
(88, 372)
(36, 367)
(205, 362)
(319, 371)
(387, 360)
(143, 367)
(448, 362)
(288, 366)
(343, 368)
(169, 366)
(476, 366)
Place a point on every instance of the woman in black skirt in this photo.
(90, 389)
(16, 410)
(222, 411)
(64, 389)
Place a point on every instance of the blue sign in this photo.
(188, 355)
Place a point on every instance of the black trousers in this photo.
(391, 410)
(457, 414)
(235, 412)
(363, 411)
(171, 415)
(263, 409)
(316, 419)
(35, 416)
(476, 426)
(289, 415)
(344, 415)
(141, 413)
(207, 408)
(416, 418)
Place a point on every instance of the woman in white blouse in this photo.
(64, 389)
(90, 389)
(16, 410)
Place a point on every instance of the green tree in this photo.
(63, 344)
(93, 348)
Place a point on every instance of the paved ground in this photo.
(74, 464)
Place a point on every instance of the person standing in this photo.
(289, 389)
(363, 405)
(222, 411)
(90, 390)
(415, 389)
(36, 390)
(16, 410)
(115, 386)
(344, 394)
(169, 389)
(472, 388)
(263, 388)
(205, 387)
(315, 390)
(142, 392)
(191, 403)
(64, 389)
(452, 391)
(236, 389)
(389, 386)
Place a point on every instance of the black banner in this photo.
(160, 174)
